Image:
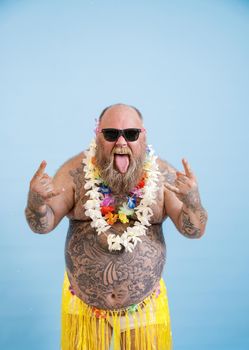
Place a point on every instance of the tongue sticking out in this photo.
(122, 162)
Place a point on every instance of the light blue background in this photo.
(184, 64)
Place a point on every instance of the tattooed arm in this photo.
(49, 199)
(193, 217)
(39, 215)
(182, 201)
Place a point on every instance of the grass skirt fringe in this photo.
(145, 326)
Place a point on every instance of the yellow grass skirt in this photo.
(145, 326)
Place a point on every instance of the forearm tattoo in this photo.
(115, 279)
(188, 229)
(203, 215)
(39, 222)
(35, 200)
(192, 199)
(192, 202)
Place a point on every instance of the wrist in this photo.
(36, 202)
(192, 201)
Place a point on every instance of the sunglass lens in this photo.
(110, 134)
(131, 134)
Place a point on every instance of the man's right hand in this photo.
(41, 188)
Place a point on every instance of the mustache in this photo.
(121, 150)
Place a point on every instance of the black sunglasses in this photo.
(112, 135)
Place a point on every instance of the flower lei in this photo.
(100, 209)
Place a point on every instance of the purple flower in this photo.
(107, 201)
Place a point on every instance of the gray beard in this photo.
(120, 183)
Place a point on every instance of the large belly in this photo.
(112, 280)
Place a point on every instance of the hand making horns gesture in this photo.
(42, 184)
(185, 187)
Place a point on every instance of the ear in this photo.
(96, 129)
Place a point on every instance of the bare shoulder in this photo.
(168, 172)
(63, 181)
(64, 177)
(71, 176)
(172, 204)
(70, 165)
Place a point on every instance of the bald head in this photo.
(119, 107)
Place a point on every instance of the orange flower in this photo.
(93, 160)
(111, 218)
(99, 313)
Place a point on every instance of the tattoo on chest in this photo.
(112, 279)
(79, 181)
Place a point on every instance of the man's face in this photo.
(121, 161)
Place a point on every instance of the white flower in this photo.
(114, 242)
(142, 219)
(134, 234)
(137, 230)
(103, 228)
(93, 194)
(90, 184)
(92, 203)
(94, 214)
(129, 246)
(99, 223)
(135, 240)
(144, 211)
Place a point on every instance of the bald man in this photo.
(116, 196)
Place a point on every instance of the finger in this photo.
(41, 169)
(45, 181)
(181, 177)
(180, 173)
(49, 188)
(172, 188)
(180, 184)
(53, 194)
(187, 169)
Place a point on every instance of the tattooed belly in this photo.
(112, 280)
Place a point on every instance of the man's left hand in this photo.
(186, 187)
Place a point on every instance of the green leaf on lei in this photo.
(126, 210)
